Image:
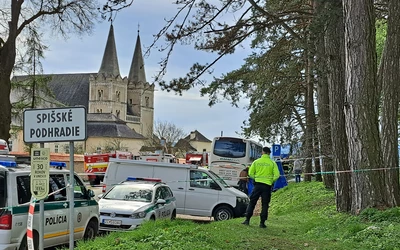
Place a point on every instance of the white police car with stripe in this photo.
(127, 204)
(15, 197)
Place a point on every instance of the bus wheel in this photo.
(223, 213)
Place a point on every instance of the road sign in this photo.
(276, 150)
(55, 124)
(40, 166)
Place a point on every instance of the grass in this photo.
(302, 216)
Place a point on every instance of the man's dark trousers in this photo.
(263, 190)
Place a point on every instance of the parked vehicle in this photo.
(230, 155)
(129, 203)
(198, 191)
(197, 158)
(4, 147)
(15, 195)
(156, 157)
(95, 165)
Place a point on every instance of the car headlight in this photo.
(138, 215)
(242, 199)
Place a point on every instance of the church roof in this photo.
(69, 89)
(108, 125)
(137, 73)
(109, 65)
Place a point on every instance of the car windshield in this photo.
(129, 193)
(219, 179)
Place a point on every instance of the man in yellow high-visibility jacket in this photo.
(265, 172)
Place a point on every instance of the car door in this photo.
(170, 202)
(159, 208)
(201, 194)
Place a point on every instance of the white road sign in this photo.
(40, 166)
(55, 124)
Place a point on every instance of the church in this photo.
(120, 109)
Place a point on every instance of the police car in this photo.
(127, 204)
(15, 196)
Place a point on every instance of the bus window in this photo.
(230, 147)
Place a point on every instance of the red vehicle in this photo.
(196, 158)
(96, 164)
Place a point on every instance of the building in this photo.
(194, 142)
(119, 108)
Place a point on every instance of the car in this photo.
(131, 202)
(4, 147)
(15, 198)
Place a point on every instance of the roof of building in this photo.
(108, 125)
(69, 89)
(137, 73)
(197, 137)
(184, 144)
(109, 64)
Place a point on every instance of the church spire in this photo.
(109, 64)
(137, 73)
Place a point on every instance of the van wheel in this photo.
(91, 231)
(223, 213)
(173, 215)
(24, 243)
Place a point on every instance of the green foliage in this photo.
(381, 30)
(302, 216)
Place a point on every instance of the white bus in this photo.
(230, 155)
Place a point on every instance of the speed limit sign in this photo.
(40, 166)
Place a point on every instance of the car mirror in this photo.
(161, 201)
(100, 196)
(91, 193)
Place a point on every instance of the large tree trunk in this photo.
(324, 124)
(361, 108)
(390, 104)
(309, 99)
(334, 47)
(7, 60)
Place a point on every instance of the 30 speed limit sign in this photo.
(40, 166)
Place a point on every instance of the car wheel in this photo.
(223, 213)
(24, 242)
(173, 215)
(91, 231)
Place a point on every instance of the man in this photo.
(297, 169)
(265, 172)
(243, 179)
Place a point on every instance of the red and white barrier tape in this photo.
(29, 229)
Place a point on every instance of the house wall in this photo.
(129, 145)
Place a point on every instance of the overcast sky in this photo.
(189, 111)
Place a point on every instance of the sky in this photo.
(190, 111)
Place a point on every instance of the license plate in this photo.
(112, 222)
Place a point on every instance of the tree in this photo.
(63, 17)
(165, 130)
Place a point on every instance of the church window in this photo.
(130, 101)
(100, 94)
(98, 150)
(118, 93)
(117, 113)
(56, 148)
(99, 111)
(147, 101)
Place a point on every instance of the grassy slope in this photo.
(302, 216)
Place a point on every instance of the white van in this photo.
(15, 196)
(198, 191)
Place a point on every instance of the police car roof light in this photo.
(143, 179)
(10, 164)
(58, 164)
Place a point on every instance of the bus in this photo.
(230, 155)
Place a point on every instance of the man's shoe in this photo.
(262, 225)
(246, 222)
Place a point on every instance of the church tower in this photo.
(107, 90)
(140, 95)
